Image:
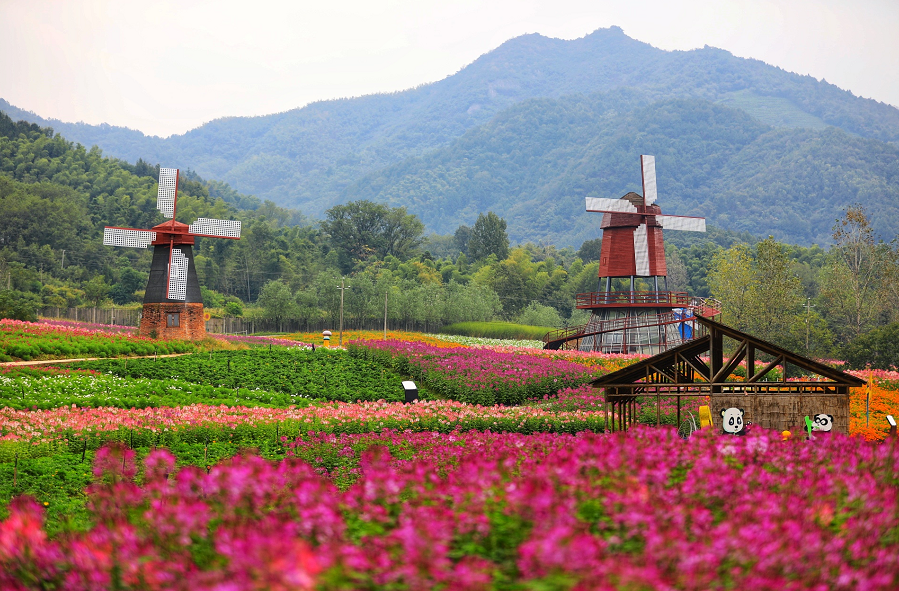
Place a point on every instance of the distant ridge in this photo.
(332, 151)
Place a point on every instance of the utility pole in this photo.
(385, 312)
(342, 289)
(808, 313)
(63, 265)
(247, 268)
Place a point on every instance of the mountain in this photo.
(535, 162)
(308, 157)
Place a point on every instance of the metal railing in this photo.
(698, 306)
(599, 299)
(618, 324)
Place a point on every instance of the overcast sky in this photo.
(165, 67)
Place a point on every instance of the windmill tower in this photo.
(633, 320)
(173, 305)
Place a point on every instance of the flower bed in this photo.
(372, 335)
(43, 390)
(40, 432)
(258, 340)
(488, 342)
(478, 376)
(485, 511)
(33, 340)
(299, 371)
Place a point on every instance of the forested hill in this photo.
(308, 157)
(536, 161)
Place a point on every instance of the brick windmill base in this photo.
(170, 319)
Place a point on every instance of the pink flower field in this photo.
(478, 376)
(644, 510)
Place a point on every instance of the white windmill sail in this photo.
(216, 228)
(681, 222)
(177, 276)
(127, 237)
(641, 251)
(649, 179)
(604, 204)
(168, 191)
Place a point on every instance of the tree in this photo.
(129, 281)
(362, 229)
(677, 270)
(461, 237)
(760, 295)
(277, 302)
(17, 305)
(879, 348)
(855, 282)
(488, 237)
(778, 297)
(590, 250)
(732, 282)
(536, 314)
(95, 290)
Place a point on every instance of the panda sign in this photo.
(732, 421)
(823, 422)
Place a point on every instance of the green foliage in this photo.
(310, 155)
(30, 342)
(234, 309)
(879, 348)
(362, 229)
(497, 330)
(129, 281)
(761, 294)
(488, 237)
(299, 373)
(537, 314)
(17, 306)
(24, 389)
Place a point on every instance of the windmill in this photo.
(629, 320)
(632, 243)
(173, 305)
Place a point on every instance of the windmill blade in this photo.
(641, 251)
(168, 191)
(127, 237)
(681, 222)
(649, 179)
(177, 275)
(603, 204)
(215, 228)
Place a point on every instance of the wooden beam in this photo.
(765, 370)
(671, 378)
(699, 367)
(732, 363)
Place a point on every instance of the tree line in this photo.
(55, 197)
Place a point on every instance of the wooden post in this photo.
(659, 408)
(678, 411)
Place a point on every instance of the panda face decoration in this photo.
(823, 422)
(732, 421)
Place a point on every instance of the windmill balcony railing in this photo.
(602, 299)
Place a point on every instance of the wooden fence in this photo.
(114, 316)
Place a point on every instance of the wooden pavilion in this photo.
(704, 367)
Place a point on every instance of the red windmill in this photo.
(173, 305)
(631, 320)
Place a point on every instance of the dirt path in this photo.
(55, 361)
